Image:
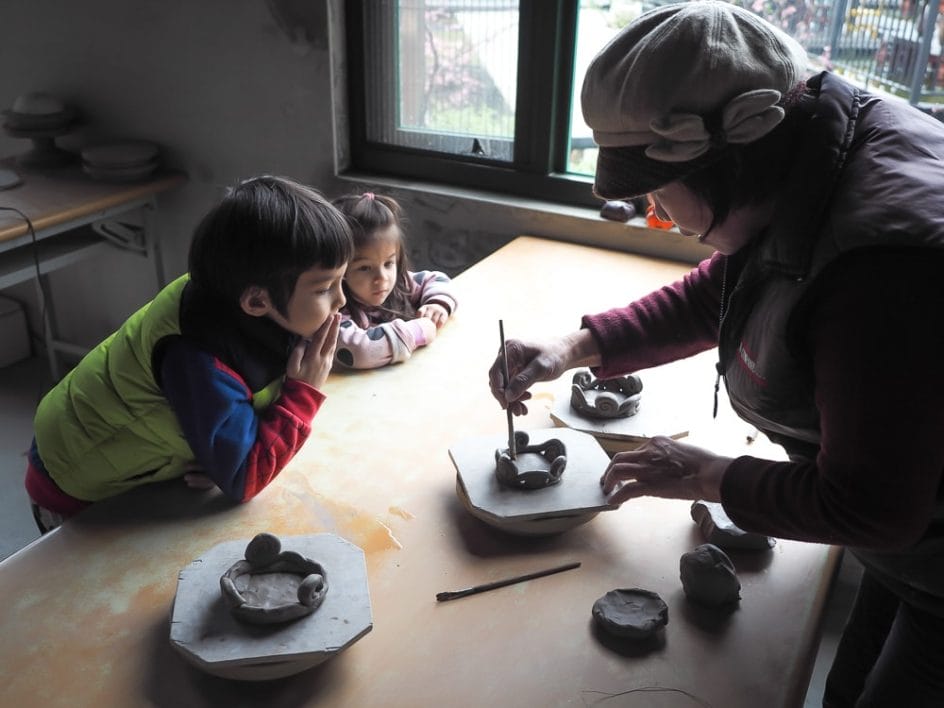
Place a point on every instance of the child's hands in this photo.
(199, 480)
(311, 361)
(437, 313)
(196, 477)
(428, 327)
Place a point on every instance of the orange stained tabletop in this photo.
(86, 621)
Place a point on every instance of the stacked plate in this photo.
(121, 162)
(38, 113)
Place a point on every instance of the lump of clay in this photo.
(534, 466)
(719, 530)
(605, 398)
(631, 613)
(617, 210)
(708, 576)
(272, 585)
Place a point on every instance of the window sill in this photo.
(506, 216)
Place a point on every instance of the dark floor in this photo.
(22, 385)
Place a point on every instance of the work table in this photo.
(87, 607)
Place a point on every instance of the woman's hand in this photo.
(311, 360)
(664, 467)
(530, 362)
(434, 311)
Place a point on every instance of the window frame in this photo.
(546, 54)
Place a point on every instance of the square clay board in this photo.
(578, 491)
(659, 410)
(206, 625)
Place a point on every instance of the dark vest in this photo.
(852, 160)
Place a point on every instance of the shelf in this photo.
(18, 265)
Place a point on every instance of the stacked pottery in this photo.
(126, 161)
(41, 118)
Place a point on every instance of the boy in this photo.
(219, 374)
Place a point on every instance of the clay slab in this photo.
(631, 612)
(575, 499)
(205, 632)
(656, 414)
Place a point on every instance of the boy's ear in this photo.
(255, 301)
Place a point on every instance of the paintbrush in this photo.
(512, 452)
(455, 594)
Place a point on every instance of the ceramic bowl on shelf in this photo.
(120, 174)
(116, 155)
(123, 161)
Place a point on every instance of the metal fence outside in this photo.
(894, 45)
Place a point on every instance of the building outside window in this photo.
(486, 93)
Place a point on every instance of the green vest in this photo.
(106, 427)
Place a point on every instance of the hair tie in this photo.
(368, 195)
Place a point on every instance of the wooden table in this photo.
(86, 614)
(74, 217)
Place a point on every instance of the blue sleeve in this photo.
(214, 407)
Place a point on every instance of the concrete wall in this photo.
(230, 89)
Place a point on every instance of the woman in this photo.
(825, 205)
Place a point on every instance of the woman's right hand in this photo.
(530, 362)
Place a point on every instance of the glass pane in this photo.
(598, 22)
(894, 45)
(452, 66)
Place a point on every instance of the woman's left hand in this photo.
(664, 467)
(437, 313)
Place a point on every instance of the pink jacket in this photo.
(371, 341)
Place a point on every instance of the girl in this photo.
(390, 310)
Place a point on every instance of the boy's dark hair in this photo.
(367, 214)
(266, 232)
(749, 174)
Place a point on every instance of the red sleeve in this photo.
(876, 336)
(283, 428)
(674, 322)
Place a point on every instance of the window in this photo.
(486, 93)
(474, 93)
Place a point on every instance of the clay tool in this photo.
(455, 594)
(512, 453)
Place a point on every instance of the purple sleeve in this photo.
(431, 286)
(876, 336)
(674, 322)
(377, 344)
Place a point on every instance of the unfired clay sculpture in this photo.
(719, 530)
(605, 398)
(536, 512)
(708, 576)
(631, 613)
(271, 585)
(533, 466)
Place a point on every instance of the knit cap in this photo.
(679, 85)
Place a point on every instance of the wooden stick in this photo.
(512, 451)
(452, 595)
